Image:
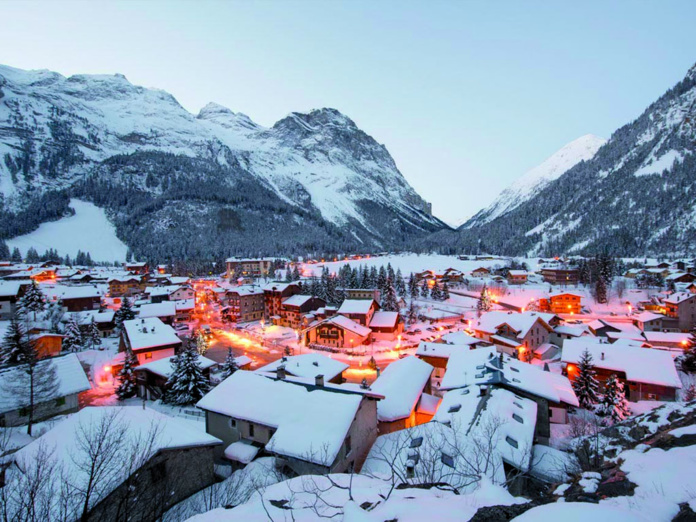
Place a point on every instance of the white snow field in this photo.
(89, 230)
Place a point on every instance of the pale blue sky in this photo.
(465, 95)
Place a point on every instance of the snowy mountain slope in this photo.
(57, 132)
(535, 179)
(634, 197)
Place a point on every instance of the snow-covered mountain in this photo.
(62, 137)
(535, 179)
(634, 197)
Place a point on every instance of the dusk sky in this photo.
(465, 95)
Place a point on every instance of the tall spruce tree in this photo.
(425, 289)
(187, 384)
(124, 313)
(585, 384)
(13, 348)
(435, 292)
(229, 366)
(484, 301)
(399, 283)
(614, 404)
(601, 290)
(389, 300)
(413, 287)
(445, 292)
(4, 251)
(73, 340)
(687, 361)
(127, 385)
(32, 301)
(94, 335)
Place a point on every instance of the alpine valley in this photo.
(177, 185)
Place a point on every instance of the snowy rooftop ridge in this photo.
(401, 383)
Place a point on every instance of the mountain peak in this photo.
(225, 117)
(213, 109)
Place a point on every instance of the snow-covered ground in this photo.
(89, 230)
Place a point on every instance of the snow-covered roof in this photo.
(344, 322)
(383, 319)
(651, 337)
(149, 332)
(243, 290)
(560, 293)
(308, 365)
(486, 366)
(158, 291)
(70, 376)
(296, 300)
(85, 318)
(639, 364)
(276, 286)
(509, 419)
(574, 330)
(72, 292)
(521, 323)
(461, 338)
(184, 304)
(163, 309)
(9, 288)
(402, 384)
(517, 273)
(355, 306)
(163, 367)
(645, 317)
(310, 425)
(679, 297)
(242, 451)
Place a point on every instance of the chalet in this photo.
(152, 377)
(244, 304)
(359, 310)
(680, 277)
(552, 392)
(295, 308)
(248, 268)
(647, 373)
(600, 328)
(481, 271)
(337, 332)
(649, 321)
(120, 286)
(149, 339)
(309, 365)
(137, 268)
(47, 344)
(568, 331)
(14, 404)
(170, 293)
(405, 385)
(104, 320)
(560, 275)
(311, 427)
(517, 277)
(451, 275)
(362, 293)
(562, 303)
(519, 333)
(10, 292)
(75, 298)
(682, 307)
(150, 454)
(273, 295)
(165, 311)
(668, 340)
(184, 309)
(386, 325)
(437, 354)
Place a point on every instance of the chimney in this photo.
(602, 355)
(483, 391)
(378, 371)
(280, 373)
(319, 380)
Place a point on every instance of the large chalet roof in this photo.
(297, 300)
(346, 323)
(679, 297)
(308, 365)
(163, 367)
(356, 306)
(521, 323)
(149, 332)
(382, 319)
(310, 425)
(71, 379)
(163, 309)
(645, 365)
(402, 384)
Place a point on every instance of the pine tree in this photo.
(124, 313)
(690, 393)
(601, 290)
(412, 314)
(484, 301)
(94, 335)
(16, 255)
(230, 365)
(4, 251)
(413, 287)
(687, 361)
(585, 384)
(399, 284)
(436, 293)
(374, 276)
(200, 343)
(32, 301)
(614, 403)
(13, 347)
(425, 289)
(382, 279)
(389, 300)
(73, 340)
(187, 384)
(445, 292)
(126, 377)
(295, 273)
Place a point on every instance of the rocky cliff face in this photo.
(97, 136)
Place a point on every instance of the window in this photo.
(517, 418)
(148, 355)
(60, 401)
(233, 424)
(415, 443)
(514, 369)
(349, 445)
(251, 430)
(447, 460)
(158, 472)
(23, 412)
(455, 408)
(512, 442)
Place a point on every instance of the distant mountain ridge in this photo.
(311, 182)
(634, 197)
(535, 179)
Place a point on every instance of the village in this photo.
(373, 365)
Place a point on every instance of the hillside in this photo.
(633, 198)
(224, 184)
